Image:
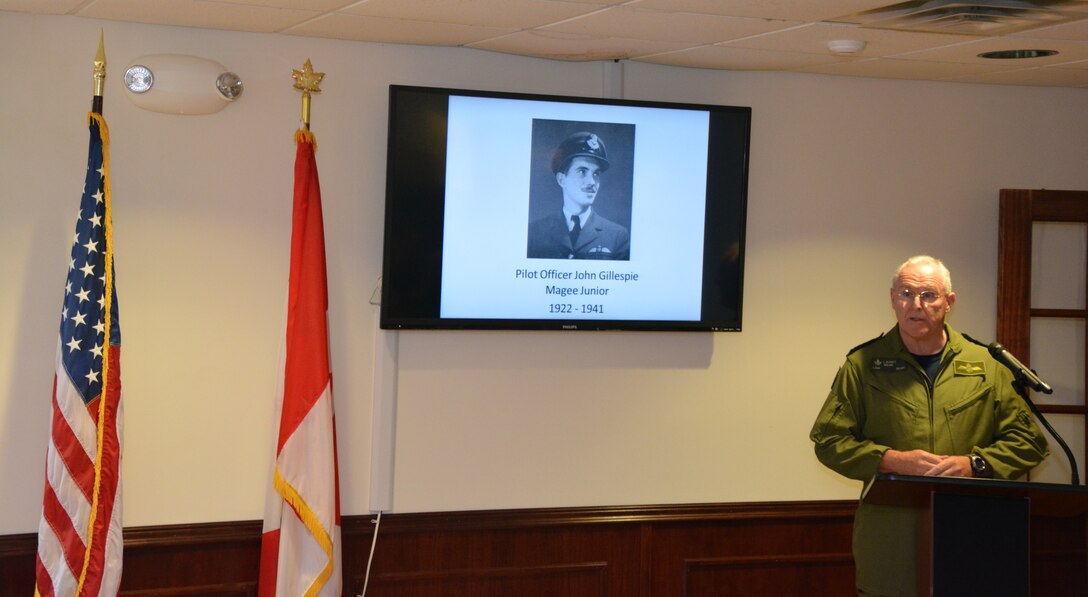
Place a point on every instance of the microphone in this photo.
(1025, 375)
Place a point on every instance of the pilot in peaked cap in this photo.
(581, 144)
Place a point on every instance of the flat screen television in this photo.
(537, 212)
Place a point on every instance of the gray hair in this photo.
(946, 277)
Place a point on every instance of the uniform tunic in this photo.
(881, 399)
(600, 238)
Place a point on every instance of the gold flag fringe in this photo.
(104, 133)
(304, 136)
(309, 518)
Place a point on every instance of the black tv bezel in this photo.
(413, 302)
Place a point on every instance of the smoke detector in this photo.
(974, 17)
(846, 47)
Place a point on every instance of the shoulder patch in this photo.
(863, 345)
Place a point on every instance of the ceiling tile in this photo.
(569, 46)
(890, 68)
(1076, 30)
(728, 58)
(813, 38)
(518, 14)
(655, 25)
(968, 52)
(198, 13)
(1036, 77)
(318, 5)
(48, 7)
(394, 31)
(790, 10)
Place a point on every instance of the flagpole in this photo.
(300, 540)
(307, 81)
(80, 542)
(99, 75)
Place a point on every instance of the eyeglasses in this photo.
(928, 296)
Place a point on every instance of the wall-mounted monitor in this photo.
(535, 212)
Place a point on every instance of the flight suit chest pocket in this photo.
(971, 420)
(892, 419)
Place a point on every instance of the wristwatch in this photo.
(980, 467)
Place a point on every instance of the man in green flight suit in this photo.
(922, 399)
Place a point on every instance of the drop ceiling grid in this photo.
(787, 35)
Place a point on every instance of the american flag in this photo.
(79, 536)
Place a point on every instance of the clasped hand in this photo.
(920, 462)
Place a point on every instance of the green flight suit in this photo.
(881, 399)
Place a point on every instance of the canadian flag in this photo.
(300, 547)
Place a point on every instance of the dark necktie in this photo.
(575, 230)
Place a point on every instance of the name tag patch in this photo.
(889, 365)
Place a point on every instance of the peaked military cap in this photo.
(581, 144)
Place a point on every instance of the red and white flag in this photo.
(79, 537)
(300, 547)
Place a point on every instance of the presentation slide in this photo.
(516, 173)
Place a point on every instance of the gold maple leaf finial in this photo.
(306, 80)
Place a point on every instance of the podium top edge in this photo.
(1048, 499)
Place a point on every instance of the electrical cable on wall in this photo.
(373, 545)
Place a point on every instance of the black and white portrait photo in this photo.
(580, 190)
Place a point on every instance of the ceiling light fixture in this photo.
(1017, 54)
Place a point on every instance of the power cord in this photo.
(373, 545)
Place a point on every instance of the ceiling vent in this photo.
(972, 17)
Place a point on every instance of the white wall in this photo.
(848, 177)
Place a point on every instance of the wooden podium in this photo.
(973, 534)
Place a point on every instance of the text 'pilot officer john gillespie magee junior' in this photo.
(578, 231)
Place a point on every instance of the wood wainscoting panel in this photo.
(697, 550)
(588, 579)
(17, 554)
(186, 560)
(454, 559)
(192, 560)
(1058, 556)
(758, 551)
(808, 576)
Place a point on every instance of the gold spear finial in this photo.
(307, 81)
(99, 74)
